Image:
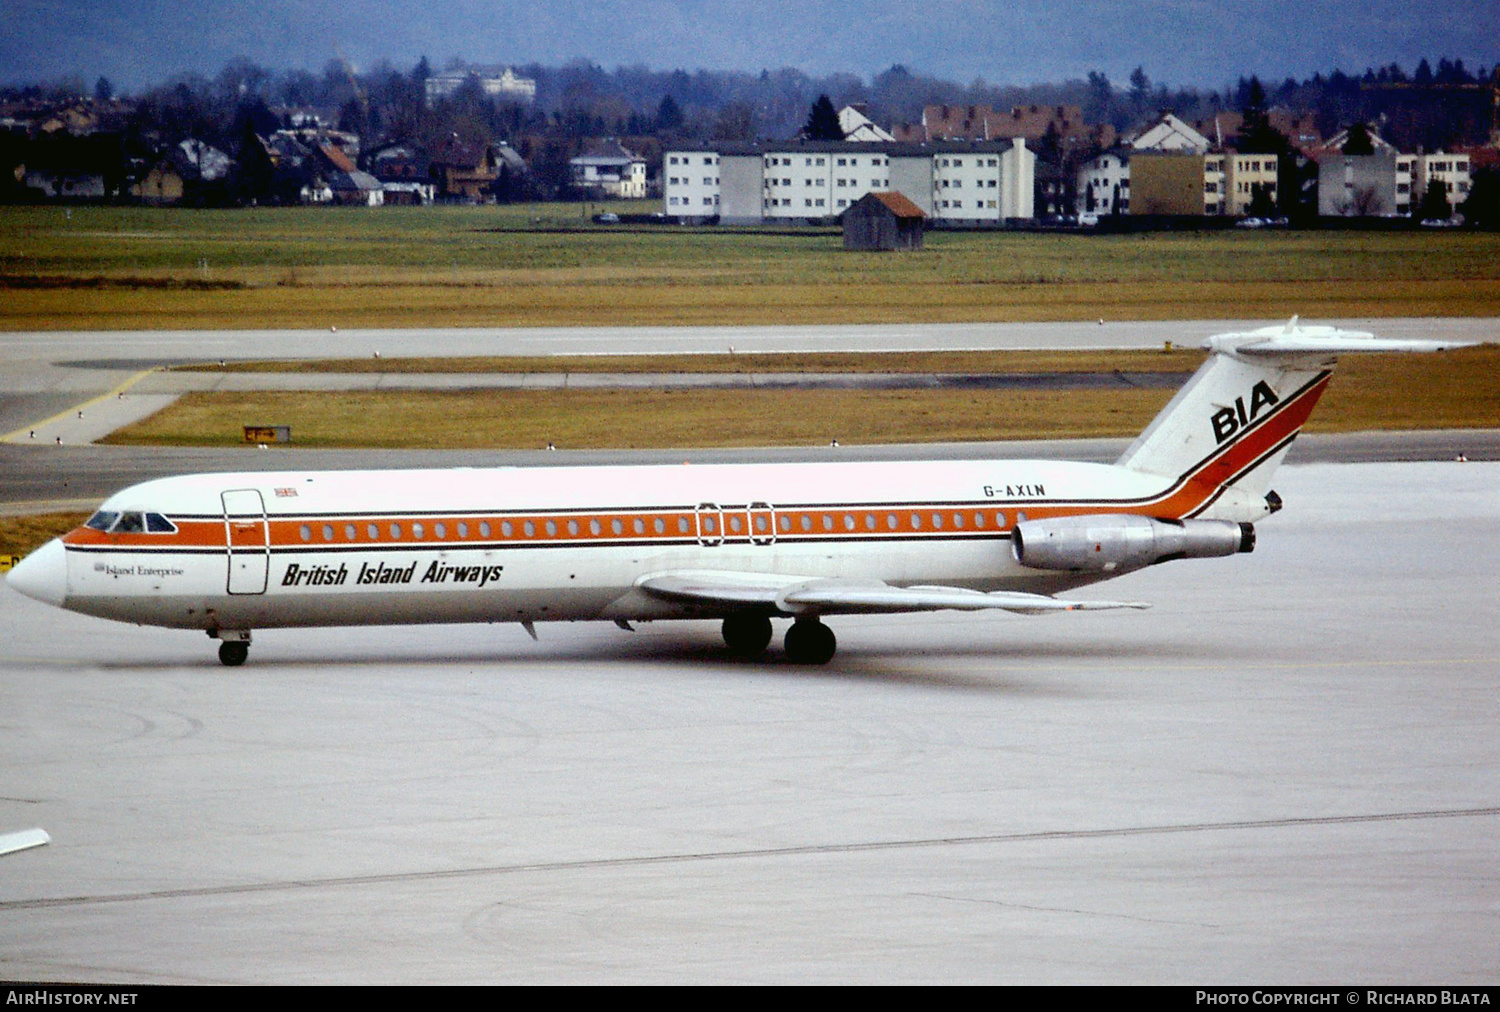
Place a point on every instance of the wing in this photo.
(23, 839)
(800, 595)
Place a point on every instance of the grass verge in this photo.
(22, 535)
(1459, 389)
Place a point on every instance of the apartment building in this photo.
(1440, 169)
(1245, 176)
(961, 183)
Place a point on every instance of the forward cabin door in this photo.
(247, 541)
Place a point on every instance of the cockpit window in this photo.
(130, 522)
(102, 520)
(158, 524)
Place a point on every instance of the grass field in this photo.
(126, 268)
(1454, 390)
(20, 535)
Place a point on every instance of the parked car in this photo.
(606, 218)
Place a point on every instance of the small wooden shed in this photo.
(882, 221)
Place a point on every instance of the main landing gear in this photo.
(808, 641)
(234, 646)
(747, 635)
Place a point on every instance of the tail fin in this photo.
(1231, 424)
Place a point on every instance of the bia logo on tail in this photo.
(1228, 421)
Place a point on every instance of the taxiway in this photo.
(1286, 772)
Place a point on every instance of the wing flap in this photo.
(799, 595)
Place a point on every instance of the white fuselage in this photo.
(262, 550)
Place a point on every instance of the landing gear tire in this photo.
(232, 653)
(809, 641)
(747, 635)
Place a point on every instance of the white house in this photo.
(860, 128)
(1104, 183)
(1171, 134)
(493, 82)
(617, 172)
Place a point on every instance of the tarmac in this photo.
(1284, 773)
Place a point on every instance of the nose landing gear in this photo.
(234, 646)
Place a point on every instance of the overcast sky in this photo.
(1189, 42)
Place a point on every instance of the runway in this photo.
(43, 373)
(1286, 772)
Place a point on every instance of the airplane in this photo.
(740, 543)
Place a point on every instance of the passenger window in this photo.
(529, 528)
(396, 531)
(306, 533)
(328, 532)
(463, 529)
(349, 533)
(552, 528)
(573, 527)
(616, 527)
(439, 531)
(594, 527)
(416, 530)
(682, 525)
(785, 522)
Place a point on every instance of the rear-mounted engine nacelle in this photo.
(1113, 543)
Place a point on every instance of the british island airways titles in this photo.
(436, 572)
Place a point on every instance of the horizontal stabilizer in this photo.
(797, 595)
(23, 840)
(1294, 339)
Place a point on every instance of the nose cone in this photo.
(43, 574)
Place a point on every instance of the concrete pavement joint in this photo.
(585, 864)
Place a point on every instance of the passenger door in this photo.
(247, 541)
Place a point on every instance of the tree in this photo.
(823, 122)
(1140, 90)
(1101, 98)
(1262, 205)
(1257, 136)
(668, 115)
(1358, 141)
(104, 89)
(1482, 209)
(1435, 202)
